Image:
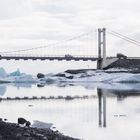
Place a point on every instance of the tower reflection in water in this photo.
(102, 107)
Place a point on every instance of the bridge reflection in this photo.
(101, 100)
(101, 107)
(103, 94)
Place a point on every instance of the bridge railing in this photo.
(38, 55)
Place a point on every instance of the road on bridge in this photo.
(51, 58)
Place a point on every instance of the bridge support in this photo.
(101, 48)
(102, 107)
(103, 61)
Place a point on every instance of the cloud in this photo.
(31, 22)
(15, 8)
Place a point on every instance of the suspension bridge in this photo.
(68, 51)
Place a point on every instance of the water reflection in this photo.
(22, 85)
(2, 89)
(102, 107)
(104, 93)
(113, 109)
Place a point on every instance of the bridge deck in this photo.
(59, 58)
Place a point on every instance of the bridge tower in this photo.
(101, 48)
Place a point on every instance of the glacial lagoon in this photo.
(90, 113)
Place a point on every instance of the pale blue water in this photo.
(79, 117)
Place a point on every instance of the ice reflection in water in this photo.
(111, 113)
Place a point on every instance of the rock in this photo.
(0, 137)
(40, 85)
(45, 138)
(27, 123)
(76, 71)
(60, 75)
(40, 75)
(70, 77)
(10, 131)
(19, 135)
(21, 121)
(5, 119)
(26, 134)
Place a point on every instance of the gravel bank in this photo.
(12, 131)
(129, 64)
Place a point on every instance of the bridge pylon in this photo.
(101, 48)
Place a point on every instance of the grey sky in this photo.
(29, 23)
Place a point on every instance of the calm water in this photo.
(106, 114)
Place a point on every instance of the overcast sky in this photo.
(32, 23)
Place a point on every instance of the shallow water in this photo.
(106, 113)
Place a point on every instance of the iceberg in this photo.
(84, 76)
(3, 72)
(16, 77)
(92, 79)
(93, 76)
(16, 73)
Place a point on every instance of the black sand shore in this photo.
(12, 131)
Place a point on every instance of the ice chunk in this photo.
(24, 78)
(40, 124)
(16, 73)
(3, 72)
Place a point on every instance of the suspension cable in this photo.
(53, 44)
(128, 39)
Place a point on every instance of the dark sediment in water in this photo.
(12, 131)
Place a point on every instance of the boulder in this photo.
(70, 77)
(21, 121)
(40, 75)
(5, 119)
(28, 124)
(60, 75)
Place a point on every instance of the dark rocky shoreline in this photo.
(132, 65)
(12, 131)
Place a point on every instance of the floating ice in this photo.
(16, 77)
(94, 76)
(16, 73)
(3, 72)
(39, 124)
(87, 76)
